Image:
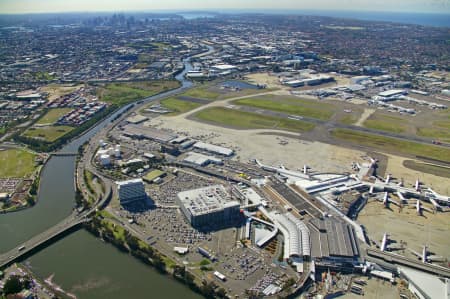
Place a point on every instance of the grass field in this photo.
(201, 92)
(178, 106)
(439, 130)
(48, 133)
(123, 93)
(290, 105)
(348, 119)
(16, 163)
(53, 115)
(246, 120)
(427, 168)
(386, 123)
(391, 144)
(153, 174)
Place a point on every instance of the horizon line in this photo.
(226, 11)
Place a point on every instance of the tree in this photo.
(132, 241)
(221, 293)
(12, 285)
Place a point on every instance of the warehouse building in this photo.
(131, 190)
(333, 240)
(215, 149)
(201, 160)
(208, 206)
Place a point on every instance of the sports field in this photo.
(16, 163)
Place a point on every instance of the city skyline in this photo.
(53, 6)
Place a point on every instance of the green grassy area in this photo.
(387, 123)
(391, 144)
(295, 106)
(16, 163)
(201, 92)
(153, 174)
(178, 106)
(349, 119)
(118, 231)
(427, 168)
(89, 180)
(43, 76)
(53, 115)
(246, 120)
(123, 93)
(48, 133)
(439, 130)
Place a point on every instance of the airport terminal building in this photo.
(208, 206)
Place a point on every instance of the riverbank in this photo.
(107, 230)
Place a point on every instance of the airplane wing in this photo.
(419, 255)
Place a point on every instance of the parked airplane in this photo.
(388, 178)
(387, 200)
(384, 242)
(417, 185)
(420, 208)
(426, 257)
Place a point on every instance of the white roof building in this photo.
(214, 148)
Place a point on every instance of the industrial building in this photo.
(142, 132)
(215, 149)
(208, 206)
(332, 239)
(131, 190)
(201, 160)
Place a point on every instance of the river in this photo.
(81, 263)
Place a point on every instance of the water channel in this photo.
(82, 264)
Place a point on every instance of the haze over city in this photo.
(31, 6)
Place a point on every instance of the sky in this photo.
(39, 6)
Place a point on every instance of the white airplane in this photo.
(425, 256)
(387, 200)
(402, 198)
(384, 242)
(438, 197)
(305, 169)
(420, 208)
(388, 178)
(417, 185)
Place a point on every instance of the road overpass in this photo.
(54, 232)
(43, 238)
